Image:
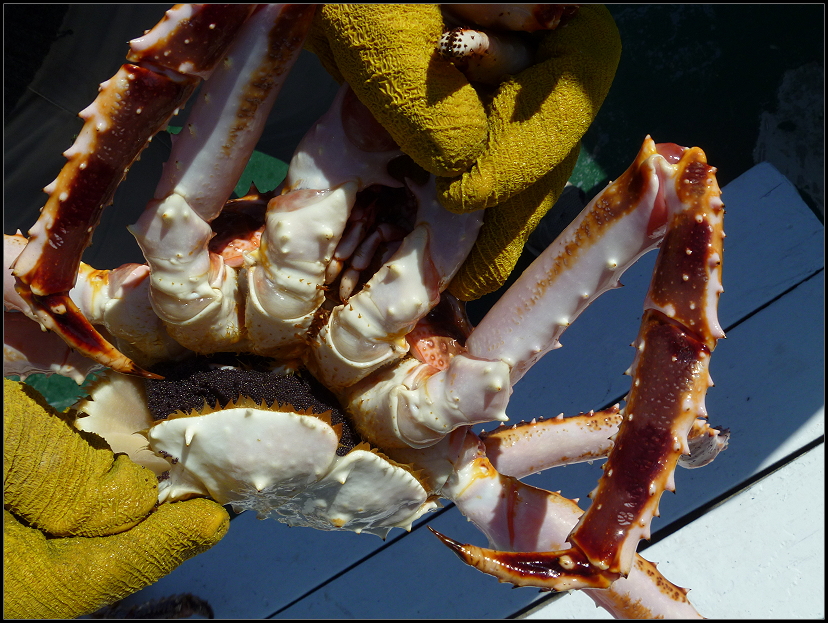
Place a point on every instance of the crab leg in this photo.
(193, 291)
(519, 518)
(530, 447)
(667, 188)
(368, 332)
(286, 274)
(117, 300)
(485, 57)
(165, 67)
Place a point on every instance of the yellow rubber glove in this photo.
(79, 528)
(514, 149)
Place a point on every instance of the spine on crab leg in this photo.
(339, 156)
(193, 290)
(132, 106)
(522, 521)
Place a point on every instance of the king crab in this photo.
(297, 296)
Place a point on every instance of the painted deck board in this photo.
(786, 560)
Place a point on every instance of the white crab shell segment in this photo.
(369, 330)
(363, 491)
(123, 395)
(243, 452)
(285, 463)
(286, 273)
(413, 405)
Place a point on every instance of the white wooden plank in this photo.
(775, 569)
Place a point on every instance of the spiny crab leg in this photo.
(287, 274)
(193, 291)
(490, 56)
(117, 300)
(530, 447)
(517, 517)
(668, 192)
(485, 57)
(163, 70)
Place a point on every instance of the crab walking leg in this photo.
(485, 57)
(518, 518)
(670, 378)
(193, 291)
(27, 349)
(117, 300)
(618, 226)
(492, 56)
(530, 447)
(286, 274)
(163, 70)
(368, 332)
(415, 408)
(670, 372)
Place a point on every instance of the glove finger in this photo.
(387, 53)
(506, 227)
(538, 116)
(59, 483)
(47, 578)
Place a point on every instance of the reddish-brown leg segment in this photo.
(165, 67)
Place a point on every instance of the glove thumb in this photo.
(48, 578)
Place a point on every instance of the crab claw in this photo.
(546, 570)
(58, 313)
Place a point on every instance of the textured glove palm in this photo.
(512, 151)
(79, 528)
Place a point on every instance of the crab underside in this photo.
(296, 353)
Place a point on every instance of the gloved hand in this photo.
(78, 522)
(513, 149)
